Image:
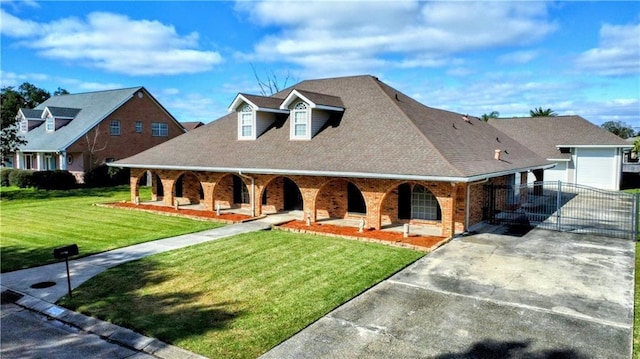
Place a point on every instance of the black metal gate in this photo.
(563, 207)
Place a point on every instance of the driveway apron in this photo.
(546, 294)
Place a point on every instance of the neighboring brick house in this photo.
(78, 132)
(350, 147)
(584, 153)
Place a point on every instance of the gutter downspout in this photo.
(466, 210)
(253, 192)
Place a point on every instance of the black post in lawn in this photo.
(65, 252)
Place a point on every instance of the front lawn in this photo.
(34, 222)
(237, 297)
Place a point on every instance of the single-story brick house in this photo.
(585, 154)
(77, 132)
(350, 147)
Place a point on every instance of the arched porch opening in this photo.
(411, 203)
(340, 199)
(281, 194)
(187, 189)
(149, 187)
(231, 192)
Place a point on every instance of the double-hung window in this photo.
(51, 124)
(300, 121)
(159, 129)
(138, 126)
(246, 122)
(24, 126)
(114, 128)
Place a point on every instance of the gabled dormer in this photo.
(255, 114)
(29, 119)
(309, 112)
(56, 117)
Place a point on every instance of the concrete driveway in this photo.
(544, 295)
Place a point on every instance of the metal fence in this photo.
(563, 207)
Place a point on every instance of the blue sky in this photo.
(575, 57)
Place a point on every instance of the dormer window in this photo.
(246, 123)
(300, 115)
(51, 124)
(24, 125)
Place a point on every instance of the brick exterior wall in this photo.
(323, 197)
(128, 143)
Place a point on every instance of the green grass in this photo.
(34, 222)
(237, 297)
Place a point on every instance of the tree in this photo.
(539, 112)
(272, 84)
(12, 100)
(619, 129)
(493, 114)
(60, 91)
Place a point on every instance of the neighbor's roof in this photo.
(544, 134)
(382, 133)
(189, 126)
(88, 109)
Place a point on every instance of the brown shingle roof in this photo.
(263, 101)
(321, 99)
(376, 135)
(190, 126)
(543, 134)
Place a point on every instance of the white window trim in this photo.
(139, 126)
(247, 110)
(30, 161)
(50, 122)
(24, 125)
(307, 119)
(160, 128)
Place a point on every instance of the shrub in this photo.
(21, 178)
(4, 176)
(53, 180)
(105, 176)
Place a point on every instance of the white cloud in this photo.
(188, 107)
(618, 54)
(114, 43)
(322, 34)
(519, 57)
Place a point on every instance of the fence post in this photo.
(635, 216)
(558, 205)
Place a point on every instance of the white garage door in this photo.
(597, 167)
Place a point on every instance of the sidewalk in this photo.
(31, 307)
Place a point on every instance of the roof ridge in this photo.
(98, 91)
(379, 83)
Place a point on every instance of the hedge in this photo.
(39, 179)
(57, 179)
(21, 178)
(4, 176)
(105, 176)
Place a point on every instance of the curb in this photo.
(106, 331)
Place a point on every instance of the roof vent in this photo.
(466, 118)
(496, 155)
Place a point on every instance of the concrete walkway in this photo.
(33, 326)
